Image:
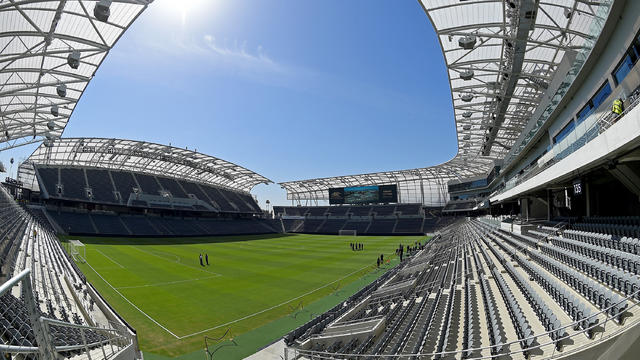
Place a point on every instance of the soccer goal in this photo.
(348, 232)
(75, 247)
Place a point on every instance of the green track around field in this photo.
(257, 287)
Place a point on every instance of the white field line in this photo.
(271, 308)
(227, 323)
(177, 261)
(132, 304)
(167, 283)
(108, 257)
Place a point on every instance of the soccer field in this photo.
(159, 287)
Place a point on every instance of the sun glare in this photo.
(184, 10)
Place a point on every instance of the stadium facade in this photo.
(538, 257)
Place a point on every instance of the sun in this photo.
(183, 9)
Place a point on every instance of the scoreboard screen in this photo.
(364, 194)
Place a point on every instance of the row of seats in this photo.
(567, 299)
(617, 220)
(370, 226)
(522, 326)
(597, 294)
(437, 295)
(139, 225)
(115, 187)
(611, 229)
(417, 312)
(615, 258)
(624, 282)
(36, 247)
(626, 244)
(346, 210)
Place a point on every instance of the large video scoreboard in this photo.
(364, 194)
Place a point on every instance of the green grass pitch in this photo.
(159, 287)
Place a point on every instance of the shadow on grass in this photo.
(169, 240)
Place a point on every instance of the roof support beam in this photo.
(526, 20)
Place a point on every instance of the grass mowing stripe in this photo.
(177, 261)
(113, 261)
(132, 304)
(275, 306)
(257, 273)
(167, 283)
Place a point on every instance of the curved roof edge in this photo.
(502, 58)
(456, 168)
(148, 158)
(49, 51)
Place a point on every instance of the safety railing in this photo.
(590, 128)
(543, 341)
(27, 332)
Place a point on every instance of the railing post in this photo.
(45, 345)
(84, 342)
(102, 347)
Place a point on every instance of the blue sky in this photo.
(292, 89)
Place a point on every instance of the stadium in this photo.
(524, 245)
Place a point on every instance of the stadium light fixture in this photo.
(467, 42)
(466, 75)
(54, 110)
(101, 11)
(62, 90)
(466, 97)
(567, 13)
(73, 59)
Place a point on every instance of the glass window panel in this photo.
(602, 94)
(582, 114)
(564, 132)
(623, 69)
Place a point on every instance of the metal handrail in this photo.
(13, 281)
(560, 329)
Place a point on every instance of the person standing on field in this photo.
(201, 264)
(206, 258)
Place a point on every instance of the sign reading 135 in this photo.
(577, 187)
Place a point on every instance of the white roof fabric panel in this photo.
(518, 46)
(147, 158)
(36, 36)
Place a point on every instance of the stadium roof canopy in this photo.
(142, 157)
(457, 168)
(38, 41)
(503, 59)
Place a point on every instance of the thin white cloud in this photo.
(238, 52)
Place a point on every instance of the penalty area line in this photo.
(108, 257)
(177, 261)
(132, 304)
(168, 283)
(271, 308)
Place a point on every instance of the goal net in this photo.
(78, 251)
(348, 232)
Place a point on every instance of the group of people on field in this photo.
(409, 249)
(380, 260)
(357, 246)
(206, 259)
